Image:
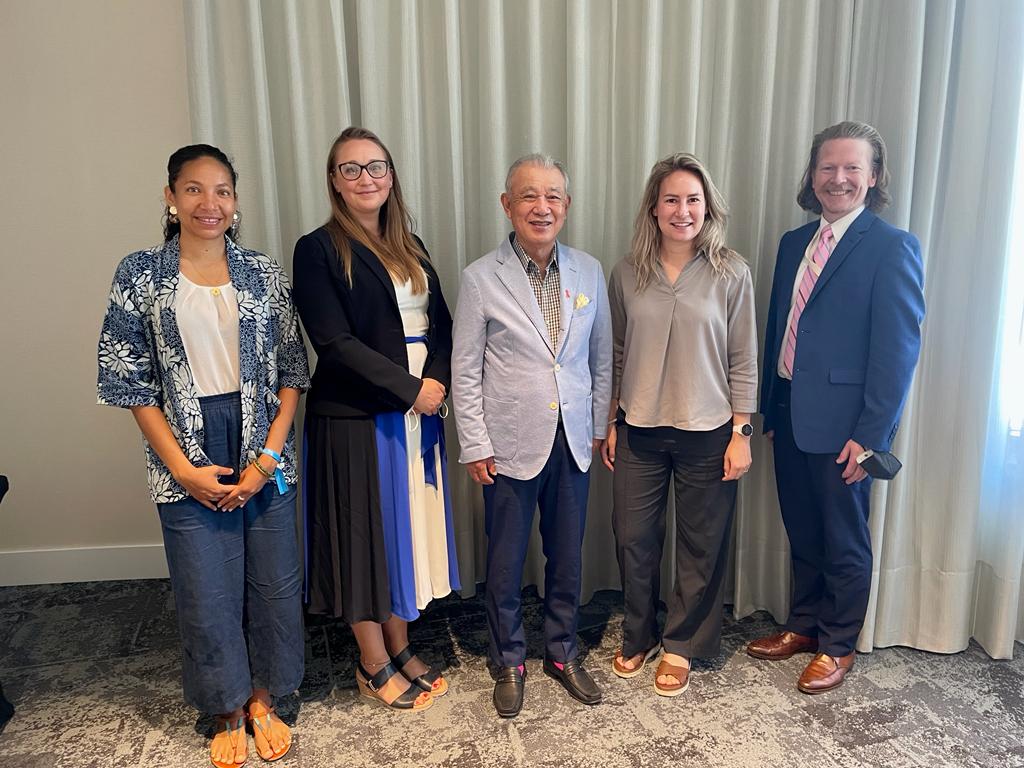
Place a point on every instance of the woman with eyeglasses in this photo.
(684, 383)
(379, 538)
(202, 343)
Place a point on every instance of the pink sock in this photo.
(521, 668)
(559, 664)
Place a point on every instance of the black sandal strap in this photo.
(426, 680)
(403, 658)
(407, 699)
(377, 681)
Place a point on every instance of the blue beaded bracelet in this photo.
(282, 485)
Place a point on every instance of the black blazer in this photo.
(362, 366)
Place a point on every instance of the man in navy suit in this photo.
(842, 340)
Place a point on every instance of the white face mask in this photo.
(412, 421)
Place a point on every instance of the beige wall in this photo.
(94, 98)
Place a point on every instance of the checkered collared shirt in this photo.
(548, 291)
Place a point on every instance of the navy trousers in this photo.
(236, 582)
(560, 490)
(827, 524)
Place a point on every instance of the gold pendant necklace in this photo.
(214, 290)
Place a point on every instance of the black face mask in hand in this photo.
(880, 465)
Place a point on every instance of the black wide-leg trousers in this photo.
(646, 461)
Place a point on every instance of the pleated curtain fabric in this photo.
(458, 89)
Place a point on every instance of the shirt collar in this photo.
(525, 260)
(840, 225)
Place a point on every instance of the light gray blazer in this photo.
(508, 384)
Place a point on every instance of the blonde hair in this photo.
(878, 196)
(396, 247)
(644, 250)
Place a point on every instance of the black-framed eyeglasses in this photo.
(376, 169)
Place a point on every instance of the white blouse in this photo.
(413, 309)
(208, 322)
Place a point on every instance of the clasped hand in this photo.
(203, 484)
(432, 394)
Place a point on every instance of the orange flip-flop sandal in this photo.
(259, 716)
(232, 734)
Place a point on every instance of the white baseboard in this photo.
(59, 566)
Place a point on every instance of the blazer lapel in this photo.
(512, 275)
(853, 236)
(368, 258)
(786, 279)
(569, 275)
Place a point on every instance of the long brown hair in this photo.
(396, 247)
(644, 250)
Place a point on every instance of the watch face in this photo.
(746, 430)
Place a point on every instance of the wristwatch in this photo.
(743, 429)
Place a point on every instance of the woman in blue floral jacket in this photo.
(202, 343)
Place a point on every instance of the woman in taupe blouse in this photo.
(685, 382)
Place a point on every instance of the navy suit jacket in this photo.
(858, 340)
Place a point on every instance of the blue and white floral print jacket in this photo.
(142, 359)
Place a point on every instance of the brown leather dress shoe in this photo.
(825, 673)
(781, 645)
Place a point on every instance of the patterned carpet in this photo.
(93, 670)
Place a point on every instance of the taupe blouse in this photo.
(685, 355)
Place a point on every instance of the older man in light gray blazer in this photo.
(531, 382)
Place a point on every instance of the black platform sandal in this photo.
(431, 680)
(412, 700)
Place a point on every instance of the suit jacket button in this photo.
(553, 406)
(558, 367)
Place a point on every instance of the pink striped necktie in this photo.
(818, 259)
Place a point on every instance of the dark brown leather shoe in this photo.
(781, 645)
(825, 673)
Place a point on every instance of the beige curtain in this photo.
(459, 89)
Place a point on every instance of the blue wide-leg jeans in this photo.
(236, 582)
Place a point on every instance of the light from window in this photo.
(1011, 380)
